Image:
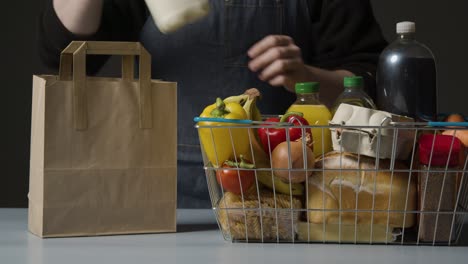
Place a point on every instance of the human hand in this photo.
(278, 61)
(81, 17)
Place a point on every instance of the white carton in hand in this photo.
(370, 128)
(170, 15)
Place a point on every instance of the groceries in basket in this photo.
(226, 141)
(267, 184)
(369, 133)
(350, 182)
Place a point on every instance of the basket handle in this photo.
(73, 68)
(447, 124)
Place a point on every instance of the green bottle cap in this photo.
(307, 87)
(355, 81)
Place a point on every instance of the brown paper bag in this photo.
(103, 150)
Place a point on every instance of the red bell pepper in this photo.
(271, 137)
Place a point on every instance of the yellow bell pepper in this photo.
(221, 144)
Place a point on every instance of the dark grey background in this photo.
(440, 24)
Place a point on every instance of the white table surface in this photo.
(198, 241)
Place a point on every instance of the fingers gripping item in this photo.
(170, 15)
(239, 218)
(348, 177)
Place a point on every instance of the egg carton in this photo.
(368, 127)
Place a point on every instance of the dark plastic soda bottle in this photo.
(407, 77)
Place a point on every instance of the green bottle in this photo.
(354, 94)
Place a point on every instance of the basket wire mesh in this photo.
(266, 215)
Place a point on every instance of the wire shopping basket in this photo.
(375, 185)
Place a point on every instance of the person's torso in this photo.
(209, 58)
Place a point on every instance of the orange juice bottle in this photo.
(316, 113)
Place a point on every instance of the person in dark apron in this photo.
(210, 59)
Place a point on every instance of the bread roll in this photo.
(338, 190)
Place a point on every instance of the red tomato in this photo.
(228, 177)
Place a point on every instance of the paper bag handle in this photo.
(73, 68)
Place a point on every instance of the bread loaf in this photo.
(347, 184)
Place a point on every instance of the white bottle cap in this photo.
(406, 27)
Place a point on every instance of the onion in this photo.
(280, 160)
